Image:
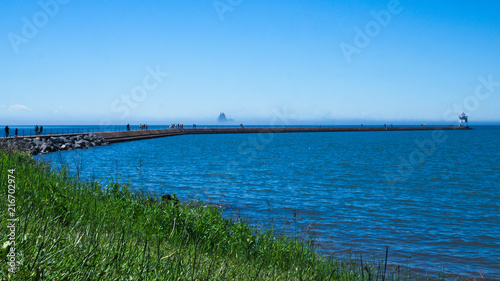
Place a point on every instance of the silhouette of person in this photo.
(128, 127)
(36, 129)
(15, 132)
(41, 129)
(7, 131)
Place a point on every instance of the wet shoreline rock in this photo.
(48, 144)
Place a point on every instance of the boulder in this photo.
(37, 143)
(46, 148)
(34, 150)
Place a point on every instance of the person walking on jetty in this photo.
(7, 130)
(15, 132)
(128, 127)
(41, 129)
(36, 130)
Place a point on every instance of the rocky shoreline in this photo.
(48, 144)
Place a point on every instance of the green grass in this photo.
(72, 230)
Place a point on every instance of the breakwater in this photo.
(47, 144)
(122, 136)
(53, 142)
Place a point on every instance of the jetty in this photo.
(42, 144)
(122, 136)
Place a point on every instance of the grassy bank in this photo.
(85, 230)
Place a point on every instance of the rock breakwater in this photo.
(48, 144)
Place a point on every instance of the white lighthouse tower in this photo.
(464, 120)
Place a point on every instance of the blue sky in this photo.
(260, 62)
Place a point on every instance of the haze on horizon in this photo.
(260, 62)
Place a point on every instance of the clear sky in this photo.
(261, 62)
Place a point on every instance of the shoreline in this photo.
(112, 224)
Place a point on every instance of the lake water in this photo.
(434, 197)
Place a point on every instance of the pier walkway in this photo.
(121, 136)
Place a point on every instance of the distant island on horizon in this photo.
(223, 118)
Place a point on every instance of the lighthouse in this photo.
(464, 120)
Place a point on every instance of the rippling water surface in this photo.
(435, 198)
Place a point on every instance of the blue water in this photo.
(438, 203)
